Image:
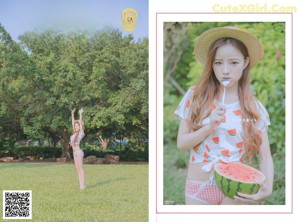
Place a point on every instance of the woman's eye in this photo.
(235, 63)
(217, 63)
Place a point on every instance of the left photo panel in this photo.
(74, 110)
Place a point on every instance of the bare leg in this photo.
(78, 159)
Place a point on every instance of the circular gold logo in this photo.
(129, 17)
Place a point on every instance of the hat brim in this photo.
(204, 41)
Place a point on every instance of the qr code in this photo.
(17, 204)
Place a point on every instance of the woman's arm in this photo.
(186, 139)
(73, 119)
(266, 165)
(81, 119)
(267, 168)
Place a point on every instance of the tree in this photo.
(103, 72)
(14, 87)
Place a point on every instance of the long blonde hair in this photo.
(76, 132)
(208, 89)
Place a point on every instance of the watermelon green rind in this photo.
(230, 187)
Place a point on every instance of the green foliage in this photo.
(105, 73)
(267, 79)
(181, 163)
(170, 121)
(14, 72)
(175, 163)
(37, 152)
(278, 194)
(49, 73)
(128, 152)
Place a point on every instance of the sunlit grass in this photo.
(114, 192)
(174, 177)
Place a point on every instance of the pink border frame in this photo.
(156, 122)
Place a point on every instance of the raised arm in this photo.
(73, 119)
(81, 119)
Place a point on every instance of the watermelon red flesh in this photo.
(240, 172)
(236, 177)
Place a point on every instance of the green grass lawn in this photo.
(114, 192)
(174, 175)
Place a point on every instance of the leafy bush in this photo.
(181, 163)
(37, 152)
(132, 151)
(125, 152)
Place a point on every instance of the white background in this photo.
(158, 12)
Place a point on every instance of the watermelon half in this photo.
(236, 177)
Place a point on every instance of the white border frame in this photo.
(213, 17)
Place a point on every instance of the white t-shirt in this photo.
(225, 143)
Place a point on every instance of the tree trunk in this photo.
(64, 141)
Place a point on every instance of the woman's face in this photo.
(77, 127)
(229, 64)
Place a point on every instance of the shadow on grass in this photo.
(24, 165)
(108, 181)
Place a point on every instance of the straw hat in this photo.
(129, 17)
(204, 41)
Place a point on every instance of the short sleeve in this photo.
(183, 109)
(264, 120)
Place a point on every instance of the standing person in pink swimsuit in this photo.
(233, 130)
(77, 152)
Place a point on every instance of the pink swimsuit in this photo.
(224, 144)
(80, 136)
(77, 152)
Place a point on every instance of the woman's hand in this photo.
(81, 111)
(73, 110)
(262, 193)
(267, 168)
(217, 116)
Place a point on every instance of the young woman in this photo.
(77, 152)
(234, 131)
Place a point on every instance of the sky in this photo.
(20, 16)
